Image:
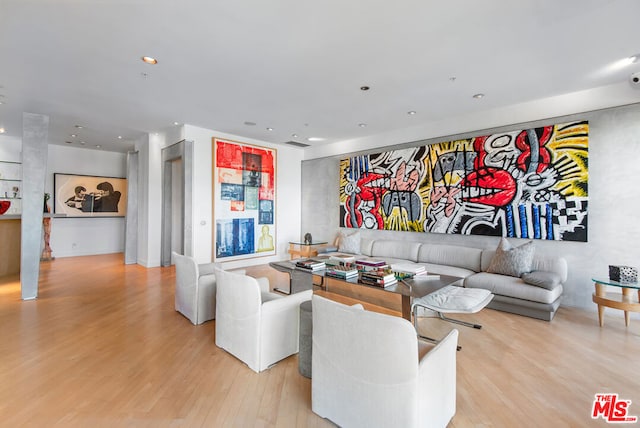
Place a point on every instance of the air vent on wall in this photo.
(295, 143)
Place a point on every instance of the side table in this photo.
(628, 301)
(300, 249)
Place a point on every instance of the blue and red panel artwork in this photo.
(244, 199)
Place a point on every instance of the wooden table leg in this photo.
(627, 296)
(600, 292)
(406, 307)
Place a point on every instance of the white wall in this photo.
(10, 149)
(85, 236)
(149, 233)
(478, 122)
(288, 191)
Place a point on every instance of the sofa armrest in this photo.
(557, 265)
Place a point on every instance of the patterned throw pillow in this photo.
(349, 243)
(512, 261)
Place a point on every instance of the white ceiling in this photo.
(295, 65)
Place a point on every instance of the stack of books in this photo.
(370, 264)
(378, 278)
(311, 265)
(341, 259)
(341, 271)
(407, 270)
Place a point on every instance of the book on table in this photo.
(378, 278)
(369, 261)
(341, 259)
(407, 270)
(341, 271)
(310, 264)
(368, 264)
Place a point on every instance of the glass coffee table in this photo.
(298, 279)
(408, 289)
(628, 301)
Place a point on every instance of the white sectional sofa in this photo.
(512, 294)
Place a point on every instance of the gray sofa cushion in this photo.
(510, 260)
(512, 287)
(539, 278)
(451, 255)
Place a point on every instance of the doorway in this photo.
(177, 199)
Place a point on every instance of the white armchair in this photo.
(195, 295)
(370, 370)
(256, 326)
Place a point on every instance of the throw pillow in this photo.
(512, 261)
(539, 278)
(349, 243)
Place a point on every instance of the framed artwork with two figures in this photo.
(89, 196)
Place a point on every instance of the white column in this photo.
(35, 135)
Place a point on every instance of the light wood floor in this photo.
(103, 347)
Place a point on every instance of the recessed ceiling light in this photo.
(478, 96)
(82, 143)
(362, 125)
(1, 102)
(119, 137)
(269, 129)
(411, 113)
(315, 139)
(73, 135)
(2, 130)
(176, 123)
(149, 60)
(248, 123)
(364, 88)
(294, 135)
(79, 126)
(98, 146)
(634, 58)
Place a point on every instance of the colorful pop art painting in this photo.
(530, 183)
(244, 183)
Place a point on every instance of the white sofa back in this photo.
(366, 246)
(451, 255)
(474, 259)
(406, 250)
